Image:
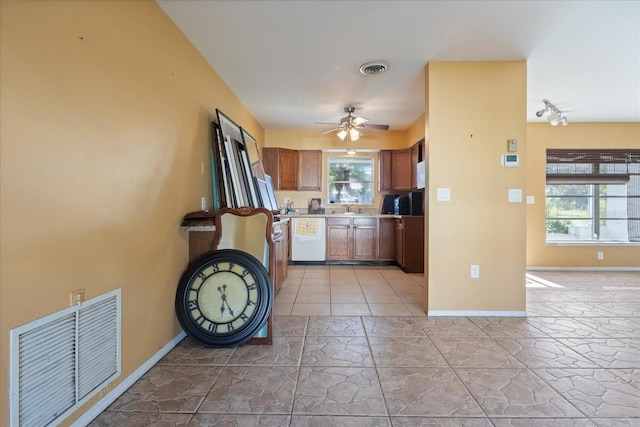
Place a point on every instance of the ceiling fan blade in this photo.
(329, 130)
(326, 123)
(359, 120)
(376, 127)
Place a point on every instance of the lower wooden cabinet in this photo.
(354, 239)
(365, 235)
(386, 239)
(409, 240)
(339, 236)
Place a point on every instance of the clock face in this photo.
(224, 298)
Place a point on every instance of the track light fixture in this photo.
(555, 116)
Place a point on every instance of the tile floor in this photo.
(352, 347)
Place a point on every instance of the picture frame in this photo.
(237, 166)
(253, 152)
(271, 192)
(263, 190)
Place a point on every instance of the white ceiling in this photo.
(295, 63)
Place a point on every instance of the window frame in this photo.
(331, 162)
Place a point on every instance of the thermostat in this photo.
(510, 160)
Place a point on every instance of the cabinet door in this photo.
(282, 165)
(384, 170)
(310, 170)
(338, 238)
(401, 169)
(386, 239)
(399, 252)
(413, 244)
(364, 239)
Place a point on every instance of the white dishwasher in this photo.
(308, 239)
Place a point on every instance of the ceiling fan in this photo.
(352, 125)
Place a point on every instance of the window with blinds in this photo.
(593, 195)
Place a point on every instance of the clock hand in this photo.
(224, 300)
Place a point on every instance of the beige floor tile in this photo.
(350, 310)
(348, 298)
(313, 298)
(311, 310)
(376, 298)
(282, 309)
(284, 298)
(345, 289)
(389, 310)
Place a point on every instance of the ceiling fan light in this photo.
(354, 134)
(564, 121)
(342, 134)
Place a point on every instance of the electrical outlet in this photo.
(600, 256)
(76, 297)
(475, 271)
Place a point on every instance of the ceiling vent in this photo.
(376, 67)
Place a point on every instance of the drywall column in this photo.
(473, 109)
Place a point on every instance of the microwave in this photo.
(421, 174)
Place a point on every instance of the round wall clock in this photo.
(224, 298)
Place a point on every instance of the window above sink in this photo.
(350, 181)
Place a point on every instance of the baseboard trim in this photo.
(583, 268)
(476, 313)
(111, 397)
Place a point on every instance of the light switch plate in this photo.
(443, 194)
(512, 145)
(515, 195)
(531, 200)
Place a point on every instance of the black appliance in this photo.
(410, 204)
(389, 203)
(415, 203)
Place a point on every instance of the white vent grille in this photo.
(62, 360)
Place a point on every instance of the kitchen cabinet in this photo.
(352, 239)
(282, 165)
(339, 235)
(401, 169)
(386, 239)
(309, 170)
(394, 170)
(364, 238)
(384, 170)
(409, 240)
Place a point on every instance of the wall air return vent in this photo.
(62, 360)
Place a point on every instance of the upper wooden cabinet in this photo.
(309, 170)
(293, 169)
(401, 169)
(397, 168)
(384, 170)
(282, 165)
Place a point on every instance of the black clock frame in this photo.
(257, 320)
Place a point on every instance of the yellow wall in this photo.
(473, 109)
(541, 136)
(105, 115)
